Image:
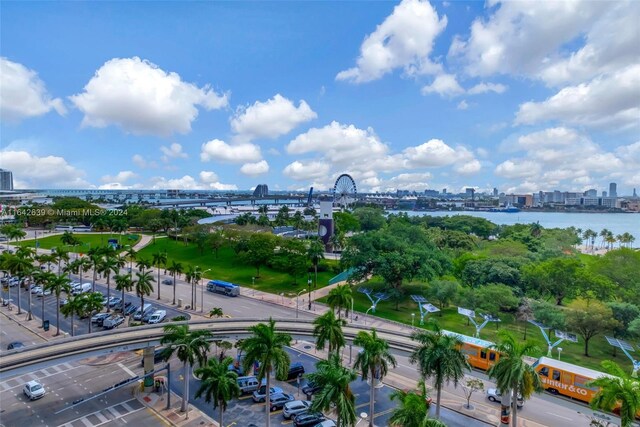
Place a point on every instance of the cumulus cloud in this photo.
(143, 163)
(304, 171)
(482, 87)
(404, 40)
(254, 169)
(270, 119)
(208, 180)
(23, 94)
(436, 153)
(217, 150)
(30, 171)
(141, 98)
(610, 102)
(120, 178)
(444, 85)
(174, 151)
(403, 181)
(462, 105)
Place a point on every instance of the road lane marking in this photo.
(559, 416)
(127, 370)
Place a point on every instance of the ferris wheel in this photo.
(344, 190)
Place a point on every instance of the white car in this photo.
(33, 390)
(43, 292)
(36, 289)
(494, 395)
(291, 409)
(158, 316)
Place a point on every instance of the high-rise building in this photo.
(6, 180)
(495, 191)
(591, 193)
(604, 194)
(470, 193)
(613, 190)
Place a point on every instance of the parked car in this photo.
(113, 321)
(33, 390)
(35, 289)
(99, 317)
(278, 400)
(291, 409)
(309, 388)
(294, 370)
(248, 384)
(308, 419)
(63, 301)
(260, 395)
(494, 395)
(15, 345)
(130, 310)
(42, 292)
(326, 423)
(115, 302)
(157, 317)
(167, 282)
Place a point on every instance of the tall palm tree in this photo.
(42, 278)
(19, 265)
(94, 257)
(372, 361)
(84, 265)
(143, 285)
(60, 254)
(143, 264)
(123, 283)
(57, 285)
(335, 390)
(131, 254)
(159, 258)
(175, 269)
(439, 356)
(513, 375)
(340, 297)
(91, 302)
(266, 347)
(413, 409)
(190, 347)
(603, 235)
(73, 307)
(328, 329)
(218, 384)
(46, 259)
(315, 252)
(109, 264)
(622, 389)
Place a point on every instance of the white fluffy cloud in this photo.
(444, 85)
(404, 40)
(143, 163)
(174, 151)
(120, 178)
(611, 101)
(208, 180)
(436, 153)
(483, 87)
(218, 150)
(23, 94)
(30, 171)
(254, 169)
(270, 119)
(462, 105)
(304, 171)
(141, 98)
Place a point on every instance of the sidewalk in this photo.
(172, 416)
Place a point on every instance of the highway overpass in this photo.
(35, 357)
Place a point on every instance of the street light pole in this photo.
(309, 285)
(202, 292)
(352, 310)
(297, 300)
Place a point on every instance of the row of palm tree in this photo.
(607, 238)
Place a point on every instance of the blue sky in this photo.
(522, 96)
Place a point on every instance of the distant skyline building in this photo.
(604, 194)
(6, 180)
(495, 191)
(613, 190)
(470, 193)
(591, 193)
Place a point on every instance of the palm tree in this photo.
(84, 265)
(73, 307)
(68, 239)
(19, 265)
(218, 383)
(91, 302)
(190, 346)
(159, 258)
(373, 360)
(535, 229)
(123, 283)
(266, 347)
(216, 312)
(42, 278)
(514, 377)
(60, 254)
(621, 389)
(340, 297)
(132, 254)
(413, 408)
(143, 264)
(175, 268)
(57, 285)
(46, 259)
(335, 391)
(109, 264)
(590, 235)
(328, 328)
(603, 234)
(143, 285)
(439, 356)
(94, 259)
(315, 252)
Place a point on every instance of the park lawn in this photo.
(228, 266)
(449, 319)
(89, 240)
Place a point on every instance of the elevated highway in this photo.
(31, 358)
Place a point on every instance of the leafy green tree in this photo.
(158, 259)
(328, 329)
(143, 285)
(589, 319)
(549, 315)
(346, 222)
(175, 269)
(218, 384)
(621, 267)
(260, 249)
(442, 292)
(216, 241)
(339, 298)
(123, 283)
(624, 313)
(190, 347)
(556, 277)
(412, 409)
(497, 298)
(266, 346)
(439, 357)
(369, 218)
(634, 328)
(373, 362)
(513, 375)
(621, 389)
(335, 390)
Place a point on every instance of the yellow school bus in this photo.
(479, 353)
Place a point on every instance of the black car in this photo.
(15, 345)
(277, 400)
(308, 419)
(130, 310)
(294, 370)
(309, 388)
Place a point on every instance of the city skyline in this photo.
(409, 95)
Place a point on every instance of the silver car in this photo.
(291, 409)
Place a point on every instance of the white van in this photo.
(81, 289)
(248, 384)
(158, 316)
(142, 311)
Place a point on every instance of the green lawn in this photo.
(227, 266)
(88, 240)
(449, 319)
